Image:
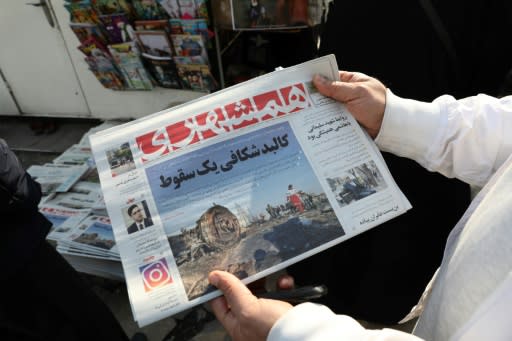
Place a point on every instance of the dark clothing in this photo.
(24, 228)
(134, 227)
(49, 300)
(43, 297)
(399, 46)
(379, 275)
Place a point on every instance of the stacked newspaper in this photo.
(73, 202)
(250, 180)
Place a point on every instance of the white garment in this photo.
(467, 139)
(471, 297)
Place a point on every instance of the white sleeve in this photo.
(314, 322)
(468, 139)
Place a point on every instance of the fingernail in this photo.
(213, 278)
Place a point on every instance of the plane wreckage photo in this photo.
(245, 245)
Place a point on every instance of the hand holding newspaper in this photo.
(250, 180)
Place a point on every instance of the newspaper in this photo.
(250, 179)
(93, 235)
(92, 265)
(64, 220)
(75, 155)
(55, 177)
(83, 195)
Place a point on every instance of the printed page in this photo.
(250, 180)
(75, 155)
(93, 235)
(347, 165)
(56, 177)
(83, 195)
(64, 220)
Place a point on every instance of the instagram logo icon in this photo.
(155, 274)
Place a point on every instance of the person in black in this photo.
(140, 222)
(43, 297)
(459, 49)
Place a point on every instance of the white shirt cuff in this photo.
(409, 127)
(315, 322)
(310, 321)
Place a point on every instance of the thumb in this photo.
(340, 91)
(236, 293)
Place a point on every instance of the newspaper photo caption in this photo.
(206, 174)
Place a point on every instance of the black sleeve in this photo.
(18, 191)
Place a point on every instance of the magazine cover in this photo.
(192, 27)
(155, 43)
(171, 7)
(127, 8)
(249, 179)
(84, 31)
(82, 12)
(109, 79)
(196, 77)
(92, 43)
(148, 10)
(147, 25)
(105, 71)
(179, 9)
(202, 9)
(103, 7)
(107, 6)
(126, 56)
(189, 46)
(163, 71)
(118, 28)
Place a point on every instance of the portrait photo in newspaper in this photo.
(137, 217)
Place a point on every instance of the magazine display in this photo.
(113, 35)
(250, 180)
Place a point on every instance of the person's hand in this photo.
(364, 97)
(244, 316)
